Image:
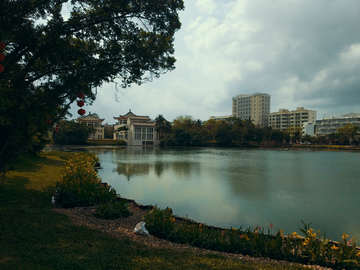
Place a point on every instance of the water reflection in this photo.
(182, 170)
(232, 187)
(129, 169)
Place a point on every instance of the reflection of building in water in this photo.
(131, 169)
(93, 120)
(135, 129)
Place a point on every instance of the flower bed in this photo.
(312, 248)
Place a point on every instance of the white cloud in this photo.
(207, 6)
(303, 53)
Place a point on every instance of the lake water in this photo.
(234, 187)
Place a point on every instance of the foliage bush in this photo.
(313, 248)
(72, 133)
(81, 186)
(113, 210)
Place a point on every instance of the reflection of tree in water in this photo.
(248, 180)
(183, 168)
(160, 167)
(130, 169)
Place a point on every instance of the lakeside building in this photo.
(255, 106)
(225, 117)
(93, 120)
(308, 128)
(286, 120)
(330, 123)
(135, 129)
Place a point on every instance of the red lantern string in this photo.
(81, 111)
(80, 103)
(80, 95)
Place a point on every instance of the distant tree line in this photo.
(186, 131)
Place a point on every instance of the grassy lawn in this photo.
(33, 236)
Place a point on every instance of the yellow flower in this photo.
(244, 236)
(295, 235)
(358, 254)
(310, 231)
(233, 229)
(334, 247)
(312, 234)
(345, 236)
(306, 241)
(200, 225)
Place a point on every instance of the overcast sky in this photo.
(304, 53)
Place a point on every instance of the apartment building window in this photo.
(149, 137)
(143, 136)
(138, 136)
(144, 130)
(150, 130)
(137, 129)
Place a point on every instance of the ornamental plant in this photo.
(113, 210)
(312, 248)
(81, 186)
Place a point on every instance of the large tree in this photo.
(162, 126)
(57, 48)
(72, 133)
(348, 132)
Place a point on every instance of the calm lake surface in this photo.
(234, 187)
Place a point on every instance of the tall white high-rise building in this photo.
(255, 106)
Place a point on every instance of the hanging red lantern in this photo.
(81, 111)
(80, 95)
(80, 103)
(48, 121)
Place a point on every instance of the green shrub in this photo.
(80, 185)
(113, 210)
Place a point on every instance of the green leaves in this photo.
(80, 185)
(113, 210)
(72, 133)
(55, 49)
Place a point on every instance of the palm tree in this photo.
(162, 126)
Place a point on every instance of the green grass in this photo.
(33, 236)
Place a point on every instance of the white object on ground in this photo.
(140, 229)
